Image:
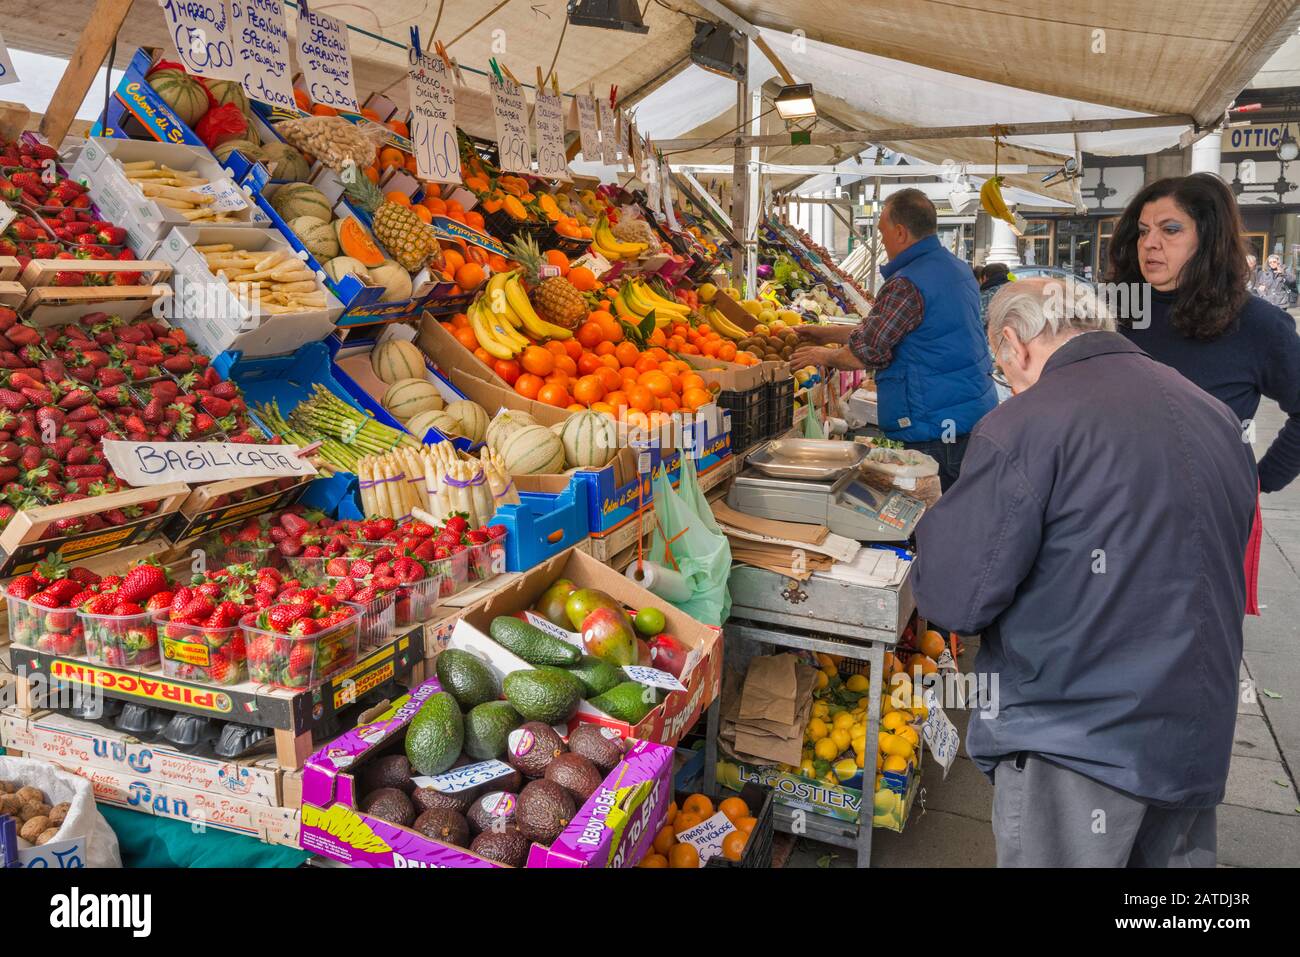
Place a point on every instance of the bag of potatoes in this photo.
(57, 820)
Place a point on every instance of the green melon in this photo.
(396, 359)
(184, 94)
(422, 422)
(229, 91)
(472, 418)
(317, 236)
(407, 398)
(284, 162)
(533, 450)
(395, 280)
(301, 199)
(504, 424)
(248, 148)
(341, 266)
(590, 439)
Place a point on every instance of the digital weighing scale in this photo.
(846, 505)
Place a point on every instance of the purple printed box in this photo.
(612, 829)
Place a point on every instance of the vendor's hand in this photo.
(810, 356)
(817, 335)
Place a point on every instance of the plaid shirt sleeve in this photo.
(897, 311)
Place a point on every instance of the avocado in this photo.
(505, 847)
(628, 701)
(596, 676)
(549, 696)
(601, 746)
(436, 734)
(390, 771)
(531, 747)
(542, 811)
(551, 605)
(486, 729)
(444, 824)
(466, 678)
(391, 805)
(492, 812)
(532, 644)
(426, 799)
(575, 774)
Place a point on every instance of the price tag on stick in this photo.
(199, 31)
(511, 113)
(262, 51)
(326, 60)
(433, 119)
(548, 113)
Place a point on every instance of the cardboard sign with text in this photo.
(157, 463)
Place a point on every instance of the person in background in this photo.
(1095, 539)
(1183, 236)
(1276, 284)
(996, 275)
(1252, 272)
(979, 273)
(922, 339)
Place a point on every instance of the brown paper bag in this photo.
(770, 688)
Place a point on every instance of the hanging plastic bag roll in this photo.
(668, 584)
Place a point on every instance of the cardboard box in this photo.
(611, 829)
(210, 313)
(145, 220)
(673, 716)
(63, 740)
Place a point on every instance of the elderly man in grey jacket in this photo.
(1096, 539)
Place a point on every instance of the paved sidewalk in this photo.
(1259, 821)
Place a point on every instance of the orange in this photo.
(695, 398)
(654, 860)
(685, 821)
(482, 355)
(639, 420)
(672, 812)
(589, 363)
(507, 369)
(422, 213)
(497, 263)
(566, 364)
(665, 840)
(368, 113)
(582, 279)
(575, 407)
(627, 353)
(646, 363)
(470, 276)
(613, 331)
(557, 258)
(692, 380)
(607, 360)
(455, 209)
(669, 404)
(435, 205)
(452, 260)
(932, 644)
(474, 220)
(604, 407)
(657, 382)
(605, 348)
(432, 189)
(398, 197)
(398, 127)
(745, 824)
(460, 320)
(372, 174)
(320, 109)
(529, 385)
(590, 334)
(465, 336)
(727, 352)
(556, 348)
(735, 808)
(572, 348)
(629, 374)
(554, 394)
(616, 399)
(609, 378)
(684, 855)
(733, 845)
(389, 157)
(589, 389)
(641, 398)
(657, 338)
(538, 361)
(302, 99)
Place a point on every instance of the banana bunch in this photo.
(723, 326)
(636, 300)
(992, 202)
(604, 242)
(501, 311)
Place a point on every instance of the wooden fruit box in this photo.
(45, 304)
(12, 292)
(22, 548)
(202, 511)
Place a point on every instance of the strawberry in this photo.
(24, 586)
(226, 615)
(335, 567)
(294, 524)
(360, 568)
(160, 601)
(362, 596)
(281, 618)
(144, 580)
(301, 657)
(101, 605)
(346, 590)
(127, 608)
(197, 609)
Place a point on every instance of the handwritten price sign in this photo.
(608, 134)
(548, 112)
(157, 463)
(262, 51)
(199, 31)
(511, 113)
(7, 72)
(940, 735)
(326, 60)
(588, 128)
(433, 119)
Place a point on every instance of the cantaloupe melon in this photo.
(407, 398)
(433, 419)
(341, 266)
(286, 163)
(472, 417)
(396, 359)
(589, 438)
(229, 91)
(533, 450)
(355, 240)
(184, 94)
(505, 423)
(300, 199)
(316, 236)
(248, 148)
(395, 280)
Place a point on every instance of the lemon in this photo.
(895, 763)
(845, 769)
(806, 769)
(817, 729)
(859, 759)
(843, 720)
(827, 751)
(880, 762)
(919, 709)
(822, 680)
(857, 683)
(909, 735)
(841, 737)
(859, 743)
(824, 660)
(893, 744)
(886, 705)
(821, 709)
(893, 721)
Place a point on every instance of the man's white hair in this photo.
(1050, 307)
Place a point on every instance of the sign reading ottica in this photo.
(1254, 138)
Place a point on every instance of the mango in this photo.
(552, 603)
(607, 634)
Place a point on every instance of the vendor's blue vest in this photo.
(940, 374)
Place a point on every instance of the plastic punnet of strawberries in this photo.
(201, 637)
(302, 639)
(455, 552)
(43, 604)
(118, 616)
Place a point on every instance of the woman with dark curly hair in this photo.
(1183, 236)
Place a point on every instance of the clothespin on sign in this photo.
(451, 64)
(613, 97)
(496, 71)
(415, 42)
(555, 82)
(505, 69)
(303, 12)
(541, 83)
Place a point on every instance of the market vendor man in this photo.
(1095, 540)
(923, 339)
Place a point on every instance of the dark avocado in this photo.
(444, 824)
(505, 847)
(492, 812)
(426, 799)
(601, 746)
(531, 746)
(575, 774)
(390, 804)
(542, 811)
(390, 771)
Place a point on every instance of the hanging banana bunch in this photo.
(991, 193)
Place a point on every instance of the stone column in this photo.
(1002, 244)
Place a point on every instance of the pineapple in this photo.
(555, 299)
(408, 240)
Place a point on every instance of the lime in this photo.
(649, 621)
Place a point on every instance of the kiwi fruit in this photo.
(505, 847)
(390, 771)
(445, 825)
(427, 799)
(531, 746)
(575, 774)
(601, 749)
(492, 808)
(391, 805)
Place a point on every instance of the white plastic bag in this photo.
(84, 839)
(911, 472)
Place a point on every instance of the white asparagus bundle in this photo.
(174, 189)
(484, 504)
(274, 283)
(500, 483)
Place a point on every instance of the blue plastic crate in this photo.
(543, 525)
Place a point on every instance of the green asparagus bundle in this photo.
(345, 434)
